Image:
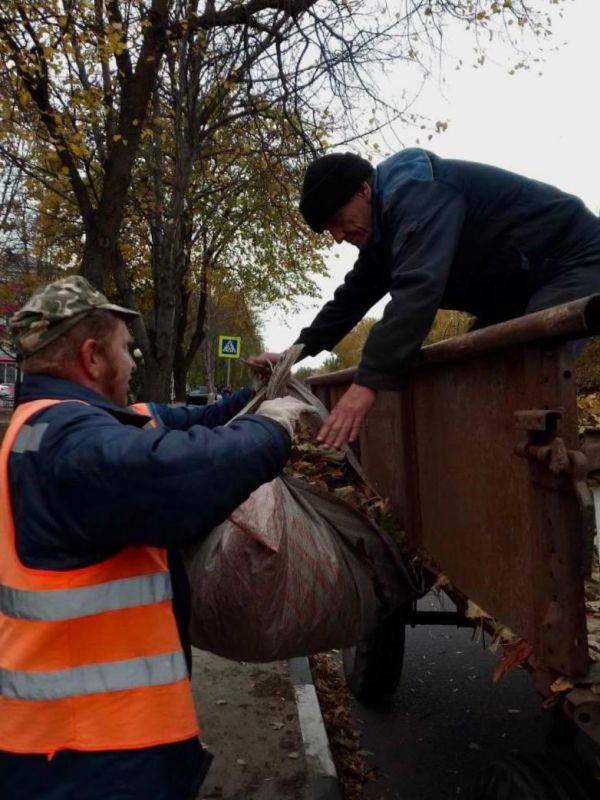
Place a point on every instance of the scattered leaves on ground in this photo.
(350, 760)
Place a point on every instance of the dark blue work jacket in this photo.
(99, 482)
(456, 235)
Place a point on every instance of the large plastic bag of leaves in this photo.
(294, 570)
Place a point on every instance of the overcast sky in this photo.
(546, 127)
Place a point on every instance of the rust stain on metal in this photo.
(381, 448)
(567, 321)
(537, 419)
(583, 707)
(505, 530)
(509, 543)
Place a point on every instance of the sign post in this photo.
(229, 347)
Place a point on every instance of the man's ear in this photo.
(365, 190)
(90, 358)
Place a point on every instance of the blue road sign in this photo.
(230, 346)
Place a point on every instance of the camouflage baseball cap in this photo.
(53, 310)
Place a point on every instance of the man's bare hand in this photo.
(263, 363)
(347, 416)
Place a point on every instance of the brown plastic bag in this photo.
(293, 571)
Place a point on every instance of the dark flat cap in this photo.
(329, 182)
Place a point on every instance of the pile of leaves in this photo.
(593, 626)
(592, 607)
(329, 470)
(589, 411)
(587, 367)
(589, 417)
(350, 760)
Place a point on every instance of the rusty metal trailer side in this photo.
(505, 530)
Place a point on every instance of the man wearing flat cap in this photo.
(437, 233)
(95, 698)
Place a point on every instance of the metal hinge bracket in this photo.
(555, 467)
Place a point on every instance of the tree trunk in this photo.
(179, 365)
(157, 378)
(209, 365)
(179, 379)
(98, 252)
(158, 383)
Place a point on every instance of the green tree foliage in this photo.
(349, 349)
(447, 324)
(587, 367)
(345, 354)
(134, 123)
(302, 373)
(227, 314)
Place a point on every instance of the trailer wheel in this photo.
(523, 777)
(374, 666)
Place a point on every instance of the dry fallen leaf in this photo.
(329, 470)
(513, 655)
(334, 698)
(562, 684)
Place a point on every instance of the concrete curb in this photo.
(322, 775)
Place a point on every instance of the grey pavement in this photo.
(250, 724)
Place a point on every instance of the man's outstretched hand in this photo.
(347, 416)
(264, 362)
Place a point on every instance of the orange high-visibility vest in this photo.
(90, 658)
(144, 408)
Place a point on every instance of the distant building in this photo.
(8, 373)
(8, 361)
(19, 275)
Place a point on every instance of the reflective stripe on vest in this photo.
(29, 438)
(94, 678)
(90, 658)
(72, 603)
(144, 408)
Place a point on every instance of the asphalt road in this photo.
(447, 719)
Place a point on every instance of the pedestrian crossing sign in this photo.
(230, 346)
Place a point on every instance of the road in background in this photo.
(447, 719)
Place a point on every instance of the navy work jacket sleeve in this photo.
(425, 225)
(420, 226)
(183, 417)
(363, 286)
(107, 485)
